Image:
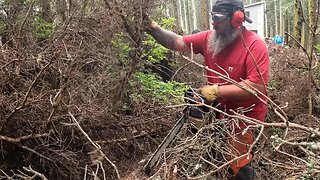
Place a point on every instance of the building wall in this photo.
(256, 12)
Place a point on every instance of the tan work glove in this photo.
(210, 92)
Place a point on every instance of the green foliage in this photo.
(273, 84)
(155, 52)
(306, 176)
(148, 85)
(151, 86)
(122, 47)
(168, 23)
(276, 131)
(275, 140)
(2, 26)
(317, 48)
(309, 173)
(43, 29)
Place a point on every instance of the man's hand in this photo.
(148, 23)
(210, 92)
(164, 37)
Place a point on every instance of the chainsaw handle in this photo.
(191, 96)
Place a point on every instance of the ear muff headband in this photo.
(235, 13)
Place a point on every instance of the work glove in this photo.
(210, 92)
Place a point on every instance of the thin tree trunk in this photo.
(275, 17)
(184, 16)
(175, 11)
(312, 4)
(281, 26)
(180, 5)
(188, 17)
(204, 15)
(266, 32)
(290, 28)
(297, 22)
(194, 14)
(313, 26)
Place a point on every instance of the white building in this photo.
(257, 12)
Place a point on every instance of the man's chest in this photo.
(229, 63)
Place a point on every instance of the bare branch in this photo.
(16, 109)
(30, 170)
(23, 138)
(98, 148)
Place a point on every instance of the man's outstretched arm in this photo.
(167, 38)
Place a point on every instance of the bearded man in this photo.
(234, 51)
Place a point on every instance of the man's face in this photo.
(221, 22)
(224, 33)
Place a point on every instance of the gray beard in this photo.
(218, 41)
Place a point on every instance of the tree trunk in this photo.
(281, 24)
(204, 15)
(175, 11)
(189, 28)
(318, 22)
(184, 17)
(312, 4)
(288, 28)
(194, 15)
(180, 12)
(313, 25)
(275, 17)
(297, 22)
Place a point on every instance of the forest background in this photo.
(85, 93)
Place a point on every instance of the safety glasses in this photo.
(218, 17)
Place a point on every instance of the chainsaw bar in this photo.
(166, 141)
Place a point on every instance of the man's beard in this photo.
(218, 41)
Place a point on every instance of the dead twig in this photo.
(175, 73)
(23, 138)
(25, 18)
(16, 109)
(8, 63)
(36, 173)
(98, 148)
(38, 154)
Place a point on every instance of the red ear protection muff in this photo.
(237, 19)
